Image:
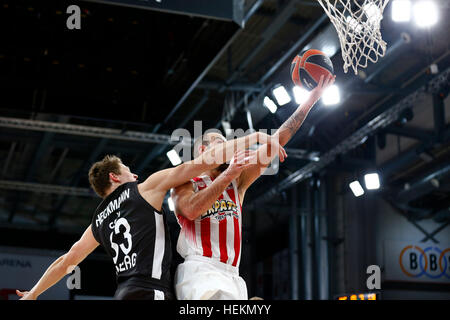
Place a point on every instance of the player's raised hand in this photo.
(26, 295)
(323, 84)
(241, 161)
(275, 146)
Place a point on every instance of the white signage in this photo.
(417, 261)
(22, 271)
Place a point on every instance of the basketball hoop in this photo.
(357, 23)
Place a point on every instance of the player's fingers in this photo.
(332, 79)
(328, 80)
(19, 293)
(281, 154)
(240, 159)
(238, 155)
(246, 166)
(284, 153)
(320, 85)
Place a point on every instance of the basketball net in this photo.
(358, 26)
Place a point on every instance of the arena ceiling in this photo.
(151, 72)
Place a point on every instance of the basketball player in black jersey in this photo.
(131, 226)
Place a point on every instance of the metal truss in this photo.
(90, 131)
(46, 188)
(228, 10)
(360, 136)
(99, 132)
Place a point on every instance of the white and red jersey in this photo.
(216, 233)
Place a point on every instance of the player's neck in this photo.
(111, 189)
(214, 173)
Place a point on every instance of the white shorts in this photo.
(201, 278)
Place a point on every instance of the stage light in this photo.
(171, 204)
(270, 104)
(425, 13)
(372, 181)
(356, 188)
(329, 50)
(373, 13)
(401, 10)
(331, 95)
(281, 95)
(174, 157)
(300, 94)
(353, 24)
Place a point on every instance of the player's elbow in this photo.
(70, 259)
(188, 213)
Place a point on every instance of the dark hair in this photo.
(99, 173)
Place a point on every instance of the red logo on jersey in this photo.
(221, 209)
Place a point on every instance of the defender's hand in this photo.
(276, 146)
(241, 161)
(274, 142)
(26, 295)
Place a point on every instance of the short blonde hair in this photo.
(99, 173)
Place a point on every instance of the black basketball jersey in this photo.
(135, 235)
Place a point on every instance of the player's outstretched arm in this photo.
(282, 136)
(294, 122)
(62, 266)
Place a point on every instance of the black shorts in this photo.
(131, 292)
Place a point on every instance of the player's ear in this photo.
(201, 149)
(114, 177)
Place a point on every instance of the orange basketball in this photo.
(307, 68)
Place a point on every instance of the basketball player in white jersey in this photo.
(209, 211)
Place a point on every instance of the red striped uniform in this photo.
(216, 233)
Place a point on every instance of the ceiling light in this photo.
(356, 188)
(372, 181)
(425, 13)
(281, 95)
(270, 104)
(401, 10)
(300, 94)
(373, 13)
(331, 96)
(353, 25)
(174, 157)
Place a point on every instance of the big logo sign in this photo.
(418, 262)
(431, 262)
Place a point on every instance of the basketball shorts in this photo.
(201, 278)
(134, 290)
